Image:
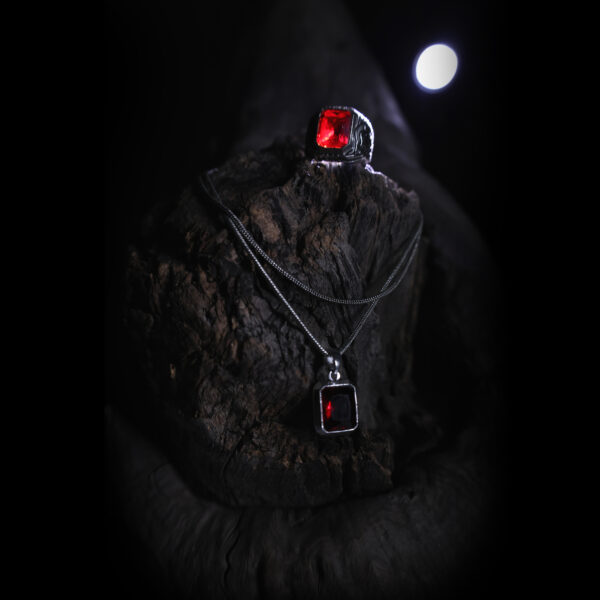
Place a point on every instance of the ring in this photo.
(340, 134)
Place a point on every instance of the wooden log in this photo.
(213, 466)
(251, 503)
(233, 372)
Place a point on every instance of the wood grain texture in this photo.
(250, 502)
(212, 463)
(419, 540)
(234, 373)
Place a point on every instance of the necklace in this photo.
(336, 401)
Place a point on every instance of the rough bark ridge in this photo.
(238, 497)
(233, 372)
(216, 472)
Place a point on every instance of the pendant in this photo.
(336, 403)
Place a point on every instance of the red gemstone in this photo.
(334, 128)
(339, 407)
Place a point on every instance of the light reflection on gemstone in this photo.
(339, 408)
(334, 128)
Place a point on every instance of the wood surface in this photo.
(218, 486)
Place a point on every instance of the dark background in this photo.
(167, 63)
(462, 130)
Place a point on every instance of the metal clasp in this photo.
(334, 362)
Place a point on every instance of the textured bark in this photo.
(227, 384)
(213, 465)
(423, 539)
(233, 372)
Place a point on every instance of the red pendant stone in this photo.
(338, 408)
(334, 128)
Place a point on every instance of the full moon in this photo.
(436, 66)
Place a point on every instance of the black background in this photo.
(462, 130)
(166, 63)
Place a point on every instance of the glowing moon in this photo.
(436, 66)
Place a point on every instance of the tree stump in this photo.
(214, 468)
(222, 382)
(233, 374)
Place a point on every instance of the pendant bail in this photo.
(334, 362)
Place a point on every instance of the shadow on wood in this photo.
(213, 468)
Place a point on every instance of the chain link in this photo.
(248, 236)
(250, 244)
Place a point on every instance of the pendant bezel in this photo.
(319, 418)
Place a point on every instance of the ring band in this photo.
(340, 134)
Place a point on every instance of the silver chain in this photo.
(249, 243)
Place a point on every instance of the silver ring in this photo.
(340, 134)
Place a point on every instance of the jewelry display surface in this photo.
(213, 462)
(234, 373)
(337, 127)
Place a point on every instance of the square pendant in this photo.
(336, 409)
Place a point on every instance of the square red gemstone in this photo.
(338, 407)
(334, 126)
